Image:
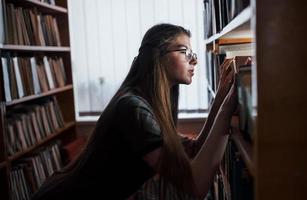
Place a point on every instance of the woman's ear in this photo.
(165, 61)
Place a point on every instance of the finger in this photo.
(233, 89)
(231, 92)
(229, 76)
(225, 74)
(222, 70)
(224, 65)
(233, 84)
(229, 67)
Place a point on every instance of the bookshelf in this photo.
(268, 163)
(230, 36)
(37, 115)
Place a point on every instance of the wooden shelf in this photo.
(43, 7)
(243, 146)
(239, 27)
(37, 96)
(34, 48)
(43, 141)
(229, 41)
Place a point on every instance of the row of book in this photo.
(240, 182)
(244, 91)
(23, 26)
(213, 63)
(219, 191)
(29, 173)
(29, 125)
(218, 13)
(24, 76)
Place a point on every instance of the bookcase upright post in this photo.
(281, 140)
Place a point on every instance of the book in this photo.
(245, 101)
(42, 77)
(236, 50)
(40, 32)
(6, 81)
(19, 81)
(2, 26)
(48, 73)
(37, 89)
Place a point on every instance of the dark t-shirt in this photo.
(113, 168)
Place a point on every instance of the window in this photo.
(103, 29)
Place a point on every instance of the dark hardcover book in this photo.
(244, 100)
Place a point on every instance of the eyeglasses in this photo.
(189, 55)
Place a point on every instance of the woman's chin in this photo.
(187, 82)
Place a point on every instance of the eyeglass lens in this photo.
(190, 55)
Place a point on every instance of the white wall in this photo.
(105, 37)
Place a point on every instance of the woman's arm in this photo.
(227, 74)
(212, 141)
(193, 145)
(207, 160)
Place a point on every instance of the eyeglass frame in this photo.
(187, 52)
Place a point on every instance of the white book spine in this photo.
(7, 87)
(37, 88)
(18, 78)
(48, 72)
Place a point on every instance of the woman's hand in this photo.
(226, 79)
(224, 98)
(230, 102)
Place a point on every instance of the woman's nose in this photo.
(193, 61)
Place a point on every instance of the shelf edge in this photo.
(37, 96)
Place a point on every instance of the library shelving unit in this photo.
(270, 163)
(37, 104)
(229, 38)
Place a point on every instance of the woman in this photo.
(135, 151)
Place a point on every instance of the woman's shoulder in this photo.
(133, 100)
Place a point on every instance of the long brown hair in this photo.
(148, 74)
(150, 78)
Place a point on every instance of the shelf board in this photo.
(229, 41)
(32, 97)
(240, 24)
(12, 47)
(43, 141)
(44, 7)
(243, 146)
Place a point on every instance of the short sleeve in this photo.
(138, 125)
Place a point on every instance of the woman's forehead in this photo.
(181, 41)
